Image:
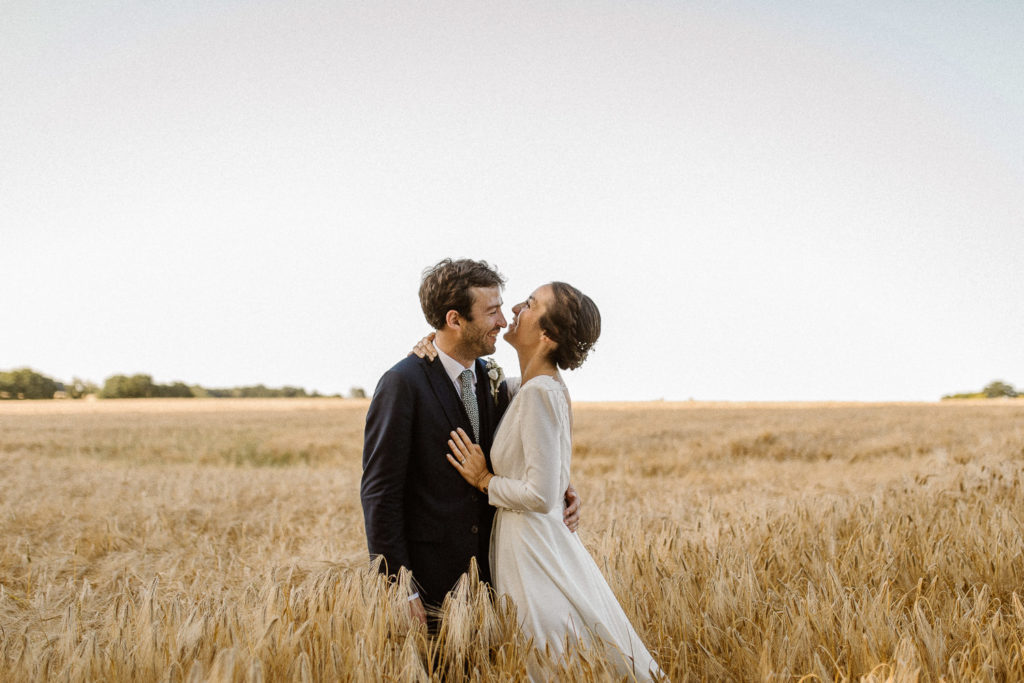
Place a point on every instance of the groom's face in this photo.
(480, 334)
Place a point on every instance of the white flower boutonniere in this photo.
(496, 377)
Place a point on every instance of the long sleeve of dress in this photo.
(539, 490)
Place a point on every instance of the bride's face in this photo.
(524, 331)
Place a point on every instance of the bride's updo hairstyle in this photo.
(573, 322)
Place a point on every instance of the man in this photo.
(418, 511)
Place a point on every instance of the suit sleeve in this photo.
(387, 447)
(540, 433)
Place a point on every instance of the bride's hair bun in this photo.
(573, 322)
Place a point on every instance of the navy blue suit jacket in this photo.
(418, 510)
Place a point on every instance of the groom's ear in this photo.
(453, 319)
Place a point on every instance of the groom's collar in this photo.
(454, 368)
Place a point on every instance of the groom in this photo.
(418, 511)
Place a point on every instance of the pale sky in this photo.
(767, 200)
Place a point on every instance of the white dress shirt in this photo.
(454, 368)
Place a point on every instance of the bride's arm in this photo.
(539, 429)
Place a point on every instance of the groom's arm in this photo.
(387, 445)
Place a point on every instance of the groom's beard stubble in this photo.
(478, 342)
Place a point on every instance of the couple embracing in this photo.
(443, 483)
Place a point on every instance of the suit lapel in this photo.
(445, 392)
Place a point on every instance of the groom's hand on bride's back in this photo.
(571, 514)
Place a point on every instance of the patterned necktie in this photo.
(469, 401)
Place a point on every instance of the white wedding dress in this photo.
(544, 568)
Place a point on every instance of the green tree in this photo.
(123, 386)
(176, 390)
(999, 388)
(27, 383)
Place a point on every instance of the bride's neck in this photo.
(535, 365)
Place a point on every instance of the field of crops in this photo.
(222, 540)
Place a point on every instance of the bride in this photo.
(560, 594)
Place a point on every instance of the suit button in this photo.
(473, 529)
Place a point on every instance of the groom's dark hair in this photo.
(446, 287)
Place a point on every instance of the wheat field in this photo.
(222, 540)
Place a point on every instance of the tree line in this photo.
(996, 389)
(25, 383)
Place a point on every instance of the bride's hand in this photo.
(469, 460)
(425, 348)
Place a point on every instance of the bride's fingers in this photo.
(462, 438)
(461, 450)
(468, 442)
(466, 449)
(458, 461)
(425, 348)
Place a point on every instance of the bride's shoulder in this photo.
(540, 383)
(545, 387)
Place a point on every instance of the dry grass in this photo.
(222, 540)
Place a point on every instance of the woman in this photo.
(559, 591)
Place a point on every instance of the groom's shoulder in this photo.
(409, 368)
(405, 378)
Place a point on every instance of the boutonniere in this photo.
(495, 375)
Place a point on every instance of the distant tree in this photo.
(142, 386)
(258, 391)
(255, 391)
(124, 386)
(176, 390)
(998, 389)
(27, 383)
(995, 389)
(969, 394)
(357, 392)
